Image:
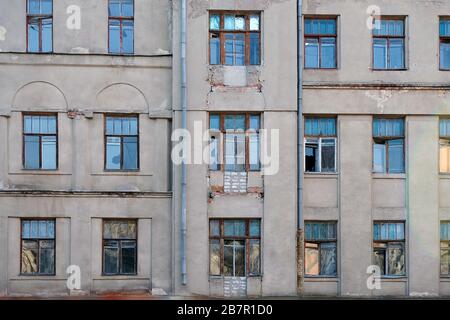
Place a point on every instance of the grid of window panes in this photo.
(389, 44)
(119, 247)
(40, 142)
(234, 38)
(235, 247)
(121, 26)
(39, 25)
(38, 247)
(389, 247)
(122, 143)
(445, 248)
(320, 144)
(388, 146)
(444, 46)
(444, 145)
(320, 43)
(320, 249)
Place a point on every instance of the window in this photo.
(389, 247)
(40, 142)
(234, 38)
(388, 146)
(38, 247)
(122, 143)
(444, 145)
(39, 25)
(320, 145)
(121, 26)
(320, 249)
(389, 44)
(445, 248)
(241, 147)
(235, 247)
(119, 247)
(444, 44)
(320, 43)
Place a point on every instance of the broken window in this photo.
(122, 143)
(119, 247)
(39, 26)
(445, 248)
(240, 150)
(320, 144)
(40, 142)
(234, 38)
(320, 249)
(444, 45)
(389, 247)
(38, 247)
(444, 145)
(320, 43)
(235, 247)
(388, 145)
(389, 43)
(121, 26)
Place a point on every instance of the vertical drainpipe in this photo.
(183, 95)
(300, 224)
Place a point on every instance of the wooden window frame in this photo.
(120, 248)
(40, 17)
(121, 20)
(121, 136)
(221, 237)
(388, 38)
(387, 242)
(443, 275)
(319, 37)
(38, 274)
(246, 32)
(40, 135)
(247, 132)
(442, 39)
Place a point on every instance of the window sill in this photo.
(120, 277)
(376, 175)
(319, 69)
(389, 69)
(445, 278)
(394, 278)
(322, 278)
(40, 172)
(325, 175)
(25, 277)
(444, 175)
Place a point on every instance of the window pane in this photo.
(29, 256)
(229, 22)
(214, 227)
(254, 122)
(42, 229)
(130, 153)
(379, 158)
(234, 228)
(239, 48)
(379, 53)
(134, 125)
(214, 22)
(255, 230)
(239, 23)
(34, 229)
(214, 47)
(445, 259)
(379, 259)
(239, 259)
(111, 259)
(27, 124)
(229, 49)
(396, 156)
(113, 153)
(33, 35)
(25, 229)
(235, 152)
(444, 27)
(214, 121)
(33, 7)
(396, 54)
(48, 152)
(47, 257)
(31, 152)
(254, 257)
(444, 55)
(312, 259)
(128, 37)
(214, 153)
(254, 22)
(254, 49)
(228, 266)
(114, 36)
(254, 151)
(127, 8)
(128, 257)
(46, 6)
(396, 262)
(214, 257)
(328, 259)
(444, 156)
(311, 53)
(114, 8)
(117, 125)
(119, 229)
(328, 155)
(328, 53)
(312, 155)
(47, 35)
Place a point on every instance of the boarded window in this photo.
(388, 146)
(39, 26)
(121, 26)
(320, 43)
(38, 247)
(389, 247)
(235, 247)
(320, 249)
(320, 145)
(444, 43)
(119, 247)
(389, 43)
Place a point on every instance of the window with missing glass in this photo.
(389, 43)
(389, 247)
(121, 26)
(444, 43)
(235, 38)
(444, 145)
(235, 142)
(320, 145)
(37, 247)
(388, 145)
(40, 142)
(121, 142)
(235, 247)
(39, 26)
(445, 248)
(320, 43)
(119, 247)
(320, 248)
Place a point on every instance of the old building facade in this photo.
(93, 95)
